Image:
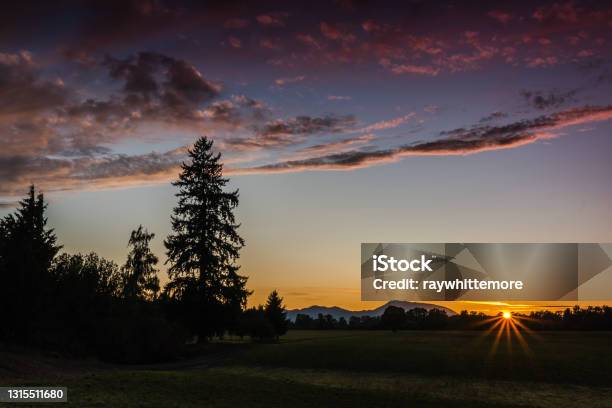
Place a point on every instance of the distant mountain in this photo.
(338, 312)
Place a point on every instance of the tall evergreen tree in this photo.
(205, 245)
(27, 248)
(139, 272)
(275, 313)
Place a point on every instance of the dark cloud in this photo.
(41, 116)
(121, 165)
(235, 112)
(88, 151)
(155, 78)
(22, 90)
(307, 125)
(494, 116)
(337, 145)
(52, 137)
(457, 142)
(64, 173)
(18, 171)
(551, 99)
(284, 132)
(224, 111)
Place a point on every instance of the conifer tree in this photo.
(139, 272)
(204, 246)
(275, 313)
(27, 248)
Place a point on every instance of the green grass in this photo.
(215, 388)
(366, 369)
(554, 357)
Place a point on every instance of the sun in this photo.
(507, 315)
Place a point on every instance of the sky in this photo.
(340, 122)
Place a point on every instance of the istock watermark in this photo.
(486, 271)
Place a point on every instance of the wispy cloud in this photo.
(284, 132)
(336, 146)
(338, 98)
(276, 19)
(389, 123)
(280, 82)
(551, 99)
(473, 140)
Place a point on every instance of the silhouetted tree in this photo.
(275, 313)
(27, 248)
(85, 286)
(253, 322)
(393, 318)
(303, 322)
(86, 276)
(139, 272)
(416, 316)
(325, 322)
(207, 291)
(436, 319)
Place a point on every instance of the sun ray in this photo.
(497, 339)
(521, 340)
(507, 327)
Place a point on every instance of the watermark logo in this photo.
(383, 263)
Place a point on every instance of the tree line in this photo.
(396, 318)
(86, 304)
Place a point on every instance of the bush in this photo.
(253, 323)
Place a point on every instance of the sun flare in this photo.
(507, 315)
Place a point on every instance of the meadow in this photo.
(353, 369)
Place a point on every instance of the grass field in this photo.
(354, 369)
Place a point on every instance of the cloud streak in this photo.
(82, 173)
(292, 131)
(458, 142)
(545, 100)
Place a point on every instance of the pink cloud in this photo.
(269, 43)
(459, 142)
(400, 69)
(308, 40)
(370, 26)
(334, 32)
(389, 124)
(540, 62)
(565, 12)
(272, 19)
(234, 42)
(501, 16)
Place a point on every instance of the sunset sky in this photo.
(340, 122)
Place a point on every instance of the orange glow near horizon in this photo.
(298, 297)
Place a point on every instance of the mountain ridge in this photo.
(338, 312)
